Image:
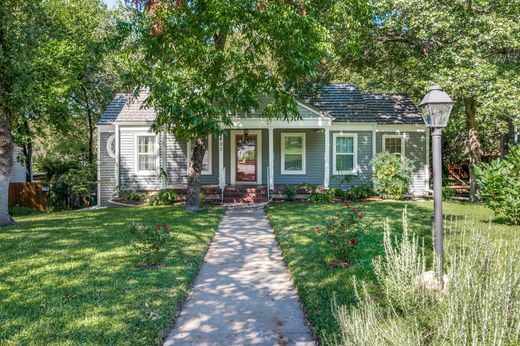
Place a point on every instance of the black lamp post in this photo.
(436, 108)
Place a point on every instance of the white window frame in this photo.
(157, 156)
(355, 153)
(111, 153)
(283, 135)
(210, 156)
(402, 137)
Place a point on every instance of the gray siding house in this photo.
(340, 131)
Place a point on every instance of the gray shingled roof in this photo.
(393, 109)
(126, 108)
(342, 101)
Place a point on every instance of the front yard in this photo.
(70, 278)
(307, 255)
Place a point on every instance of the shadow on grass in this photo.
(70, 277)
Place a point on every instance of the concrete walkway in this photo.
(243, 294)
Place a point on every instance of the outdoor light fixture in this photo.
(436, 108)
(246, 133)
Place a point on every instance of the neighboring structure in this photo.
(18, 173)
(339, 132)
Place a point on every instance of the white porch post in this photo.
(117, 154)
(221, 177)
(271, 158)
(164, 160)
(326, 180)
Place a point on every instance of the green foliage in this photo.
(342, 231)
(71, 184)
(499, 183)
(479, 306)
(316, 195)
(151, 241)
(359, 192)
(447, 193)
(163, 197)
(130, 194)
(392, 175)
(289, 192)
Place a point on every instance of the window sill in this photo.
(146, 173)
(293, 173)
(355, 172)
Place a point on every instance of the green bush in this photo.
(151, 241)
(479, 305)
(392, 175)
(359, 192)
(163, 197)
(499, 184)
(289, 192)
(318, 196)
(342, 231)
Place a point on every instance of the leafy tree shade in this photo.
(52, 69)
(471, 48)
(205, 62)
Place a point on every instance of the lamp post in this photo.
(436, 108)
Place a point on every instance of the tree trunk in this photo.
(90, 124)
(193, 190)
(473, 147)
(507, 138)
(6, 164)
(27, 150)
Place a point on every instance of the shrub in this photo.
(289, 192)
(318, 196)
(130, 194)
(392, 175)
(342, 231)
(499, 183)
(163, 197)
(359, 192)
(479, 306)
(151, 241)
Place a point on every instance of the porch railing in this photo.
(268, 183)
(222, 183)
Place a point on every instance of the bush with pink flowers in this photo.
(342, 231)
(151, 241)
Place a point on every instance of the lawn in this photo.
(307, 255)
(70, 278)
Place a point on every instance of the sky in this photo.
(110, 3)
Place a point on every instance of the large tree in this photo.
(470, 47)
(205, 62)
(53, 68)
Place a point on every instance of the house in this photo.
(18, 171)
(339, 132)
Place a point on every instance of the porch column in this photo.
(326, 180)
(221, 176)
(271, 158)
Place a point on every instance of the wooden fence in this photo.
(29, 195)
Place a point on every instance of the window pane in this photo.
(344, 163)
(147, 162)
(293, 162)
(345, 145)
(205, 162)
(146, 144)
(293, 144)
(393, 145)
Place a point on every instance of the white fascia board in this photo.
(351, 126)
(134, 123)
(401, 128)
(106, 128)
(259, 123)
(136, 129)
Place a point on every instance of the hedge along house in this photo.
(339, 132)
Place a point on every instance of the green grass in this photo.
(70, 278)
(307, 254)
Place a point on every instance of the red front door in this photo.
(246, 158)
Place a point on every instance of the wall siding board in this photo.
(364, 156)
(314, 149)
(415, 150)
(18, 170)
(107, 170)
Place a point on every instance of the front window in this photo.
(393, 144)
(147, 154)
(293, 153)
(345, 156)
